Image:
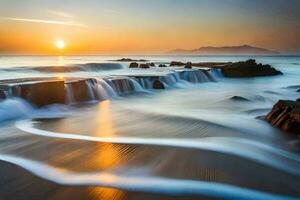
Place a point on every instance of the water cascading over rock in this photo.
(38, 93)
(46, 91)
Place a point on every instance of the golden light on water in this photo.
(108, 155)
(60, 61)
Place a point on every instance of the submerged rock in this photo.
(151, 64)
(286, 116)
(292, 87)
(157, 84)
(239, 98)
(134, 65)
(144, 66)
(248, 68)
(2, 94)
(176, 63)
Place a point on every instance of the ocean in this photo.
(193, 139)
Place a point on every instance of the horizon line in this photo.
(155, 54)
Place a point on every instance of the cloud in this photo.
(112, 11)
(42, 21)
(60, 14)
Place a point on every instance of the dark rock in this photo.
(80, 89)
(162, 65)
(2, 94)
(248, 68)
(298, 90)
(188, 65)
(41, 93)
(125, 60)
(151, 64)
(211, 64)
(286, 116)
(271, 92)
(134, 65)
(292, 87)
(144, 66)
(239, 98)
(157, 84)
(130, 60)
(176, 63)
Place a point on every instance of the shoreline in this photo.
(14, 175)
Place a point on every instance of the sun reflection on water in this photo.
(107, 156)
(105, 193)
(61, 61)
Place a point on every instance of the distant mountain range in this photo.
(227, 50)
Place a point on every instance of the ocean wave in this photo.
(14, 108)
(146, 183)
(17, 108)
(89, 67)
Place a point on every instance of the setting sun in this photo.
(60, 44)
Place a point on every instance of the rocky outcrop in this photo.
(130, 60)
(41, 93)
(176, 63)
(134, 65)
(162, 65)
(286, 116)
(157, 84)
(45, 91)
(144, 66)
(201, 64)
(248, 68)
(188, 65)
(151, 64)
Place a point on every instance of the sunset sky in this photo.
(146, 26)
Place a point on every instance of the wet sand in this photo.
(18, 184)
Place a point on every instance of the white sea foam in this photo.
(16, 108)
(252, 150)
(133, 183)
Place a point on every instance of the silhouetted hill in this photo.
(227, 50)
